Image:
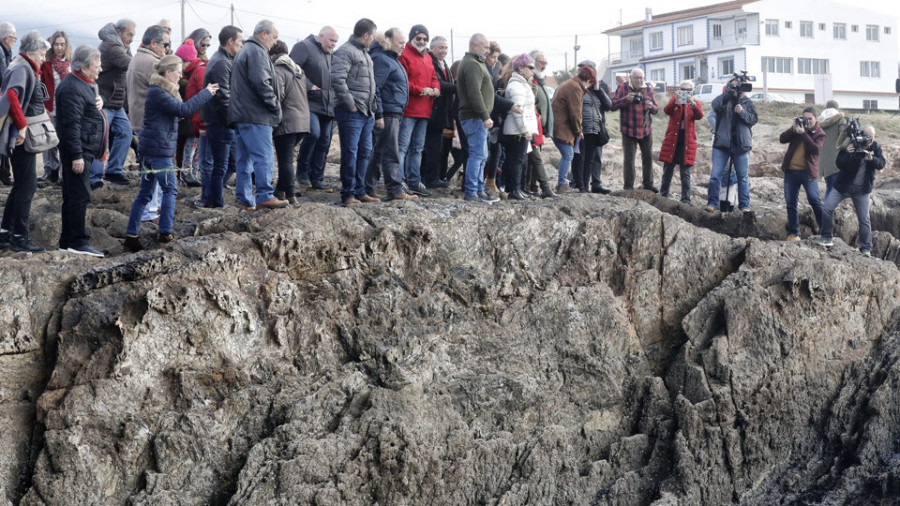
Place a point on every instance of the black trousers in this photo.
(76, 195)
(435, 155)
(589, 164)
(18, 204)
(514, 163)
(386, 158)
(284, 154)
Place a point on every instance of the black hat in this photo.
(416, 30)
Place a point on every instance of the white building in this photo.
(805, 50)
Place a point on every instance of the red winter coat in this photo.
(420, 71)
(195, 72)
(676, 113)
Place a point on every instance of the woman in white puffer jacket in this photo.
(519, 127)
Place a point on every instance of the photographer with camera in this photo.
(801, 167)
(857, 165)
(680, 143)
(636, 103)
(735, 116)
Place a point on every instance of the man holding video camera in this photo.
(735, 116)
(801, 167)
(857, 164)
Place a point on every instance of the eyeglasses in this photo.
(166, 45)
(421, 38)
(204, 45)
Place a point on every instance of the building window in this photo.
(726, 66)
(812, 66)
(685, 35)
(788, 25)
(772, 27)
(821, 27)
(636, 46)
(717, 31)
(740, 27)
(658, 75)
(887, 30)
(872, 32)
(777, 65)
(854, 28)
(656, 41)
(806, 29)
(869, 69)
(870, 105)
(688, 71)
(840, 31)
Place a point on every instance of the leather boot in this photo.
(5, 171)
(490, 184)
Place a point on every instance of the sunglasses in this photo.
(421, 38)
(204, 45)
(530, 67)
(167, 45)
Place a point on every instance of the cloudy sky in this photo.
(518, 26)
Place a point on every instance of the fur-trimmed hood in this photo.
(829, 117)
(162, 82)
(285, 61)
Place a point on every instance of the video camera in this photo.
(854, 132)
(741, 83)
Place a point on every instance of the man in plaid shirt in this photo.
(636, 103)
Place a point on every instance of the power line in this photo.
(105, 16)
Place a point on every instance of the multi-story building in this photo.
(804, 50)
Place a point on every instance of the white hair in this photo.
(686, 82)
(33, 42)
(84, 55)
(7, 29)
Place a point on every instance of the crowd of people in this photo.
(400, 110)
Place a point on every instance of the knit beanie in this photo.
(187, 51)
(831, 104)
(416, 30)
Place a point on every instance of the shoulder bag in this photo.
(40, 134)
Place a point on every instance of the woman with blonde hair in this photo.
(54, 69)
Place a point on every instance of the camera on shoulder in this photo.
(741, 82)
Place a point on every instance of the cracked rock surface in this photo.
(590, 350)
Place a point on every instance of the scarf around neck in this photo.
(60, 66)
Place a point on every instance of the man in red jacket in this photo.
(423, 87)
(805, 139)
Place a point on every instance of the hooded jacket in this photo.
(292, 96)
(138, 78)
(733, 132)
(254, 89)
(353, 78)
(420, 69)
(162, 110)
(834, 127)
(812, 143)
(316, 64)
(218, 70)
(391, 82)
(519, 91)
(679, 113)
(114, 58)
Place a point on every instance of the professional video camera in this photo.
(741, 83)
(802, 122)
(854, 132)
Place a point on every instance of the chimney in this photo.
(649, 14)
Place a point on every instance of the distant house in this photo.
(804, 50)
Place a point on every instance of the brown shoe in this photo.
(165, 238)
(402, 196)
(133, 244)
(368, 199)
(246, 208)
(709, 209)
(793, 238)
(273, 203)
(350, 201)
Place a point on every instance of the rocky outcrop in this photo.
(594, 350)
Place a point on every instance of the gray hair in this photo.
(84, 56)
(153, 32)
(264, 26)
(869, 127)
(477, 39)
(686, 82)
(33, 42)
(7, 29)
(535, 53)
(437, 39)
(123, 24)
(635, 71)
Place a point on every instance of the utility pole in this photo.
(182, 20)
(452, 52)
(567, 64)
(577, 47)
(232, 15)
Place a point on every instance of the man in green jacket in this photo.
(476, 100)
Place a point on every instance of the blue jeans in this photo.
(206, 166)
(477, 137)
(412, 140)
(793, 181)
(254, 152)
(860, 204)
(355, 133)
(120, 142)
(567, 154)
(829, 184)
(314, 148)
(720, 171)
(219, 140)
(155, 170)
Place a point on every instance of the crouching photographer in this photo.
(856, 177)
(735, 116)
(801, 168)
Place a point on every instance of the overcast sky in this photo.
(518, 26)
